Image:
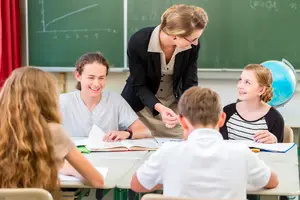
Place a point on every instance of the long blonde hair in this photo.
(28, 102)
(264, 79)
(182, 20)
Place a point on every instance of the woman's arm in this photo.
(82, 168)
(65, 149)
(275, 124)
(138, 75)
(229, 110)
(139, 130)
(190, 77)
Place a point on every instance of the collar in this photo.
(205, 133)
(154, 44)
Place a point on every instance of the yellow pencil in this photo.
(255, 150)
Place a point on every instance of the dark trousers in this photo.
(99, 194)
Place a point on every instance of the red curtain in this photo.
(10, 38)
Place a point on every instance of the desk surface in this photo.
(290, 157)
(284, 164)
(123, 165)
(288, 177)
(118, 164)
(124, 183)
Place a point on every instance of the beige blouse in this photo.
(62, 142)
(165, 91)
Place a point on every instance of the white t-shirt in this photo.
(204, 166)
(111, 114)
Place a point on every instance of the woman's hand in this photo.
(168, 116)
(265, 137)
(114, 136)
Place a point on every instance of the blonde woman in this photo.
(33, 144)
(163, 64)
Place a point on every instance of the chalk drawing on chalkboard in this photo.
(45, 25)
(265, 4)
(294, 6)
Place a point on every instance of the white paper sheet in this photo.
(102, 170)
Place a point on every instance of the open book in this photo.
(95, 143)
(277, 147)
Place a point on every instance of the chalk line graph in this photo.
(46, 25)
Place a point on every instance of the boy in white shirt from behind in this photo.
(203, 165)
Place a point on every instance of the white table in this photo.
(288, 181)
(286, 167)
(118, 164)
(123, 165)
(291, 157)
(124, 182)
(284, 164)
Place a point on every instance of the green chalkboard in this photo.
(239, 31)
(62, 30)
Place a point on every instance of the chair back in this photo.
(25, 194)
(161, 197)
(288, 135)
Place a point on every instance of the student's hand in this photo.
(265, 137)
(168, 116)
(114, 136)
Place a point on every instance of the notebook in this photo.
(80, 143)
(102, 170)
(95, 143)
(276, 148)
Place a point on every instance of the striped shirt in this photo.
(237, 128)
(240, 129)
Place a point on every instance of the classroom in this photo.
(55, 34)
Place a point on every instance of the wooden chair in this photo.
(288, 135)
(25, 194)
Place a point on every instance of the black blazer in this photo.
(145, 72)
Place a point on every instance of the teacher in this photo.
(163, 64)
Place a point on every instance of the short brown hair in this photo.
(90, 58)
(182, 20)
(264, 79)
(200, 106)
